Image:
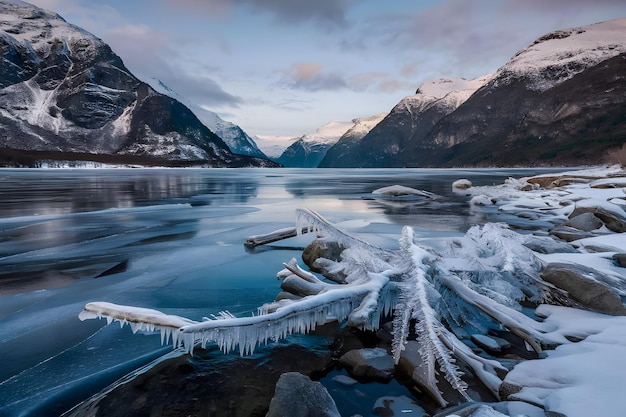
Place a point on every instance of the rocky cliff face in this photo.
(238, 141)
(67, 96)
(560, 101)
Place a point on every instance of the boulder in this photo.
(297, 396)
(570, 234)
(507, 389)
(612, 216)
(373, 363)
(590, 293)
(585, 222)
(620, 258)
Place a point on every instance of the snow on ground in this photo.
(580, 378)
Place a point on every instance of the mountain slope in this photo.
(309, 149)
(238, 141)
(341, 152)
(411, 118)
(559, 101)
(66, 95)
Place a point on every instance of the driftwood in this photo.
(253, 241)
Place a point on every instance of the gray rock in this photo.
(585, 221)
(507, 389)
(569, 234)
(373, 363)
(612, 219)
(620, 258)
(590, 293)
(297, 396)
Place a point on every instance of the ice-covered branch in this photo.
(414, 304)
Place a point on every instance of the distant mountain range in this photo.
(559, 101)
(309, 150)
(67, 97)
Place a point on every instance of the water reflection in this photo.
(36, 192)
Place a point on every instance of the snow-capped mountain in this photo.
(308, 150)
(412, 117)
(67, 96)
(341, 150)
(559, 101)
(234, 136)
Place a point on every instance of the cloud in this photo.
(312, 76)
(330, 13)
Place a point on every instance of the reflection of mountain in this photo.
(96, 225)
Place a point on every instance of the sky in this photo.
(287, 67)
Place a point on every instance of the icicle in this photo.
(314, 222)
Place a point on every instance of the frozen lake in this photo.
(171, 240)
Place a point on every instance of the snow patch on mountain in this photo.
(443, 86)
(449, 92)
(363, 125)
(559, 55)
(328, 134)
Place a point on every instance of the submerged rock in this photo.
(373, 363)
(577, 281)
(398, 406)
(298, 396)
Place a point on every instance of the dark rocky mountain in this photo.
(341, 151)
(238, 141)
(66, 96)
(309, 149)
(560, 101)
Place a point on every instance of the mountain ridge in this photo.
(559, 101)
(66, 91)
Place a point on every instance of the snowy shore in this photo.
(570, 233)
